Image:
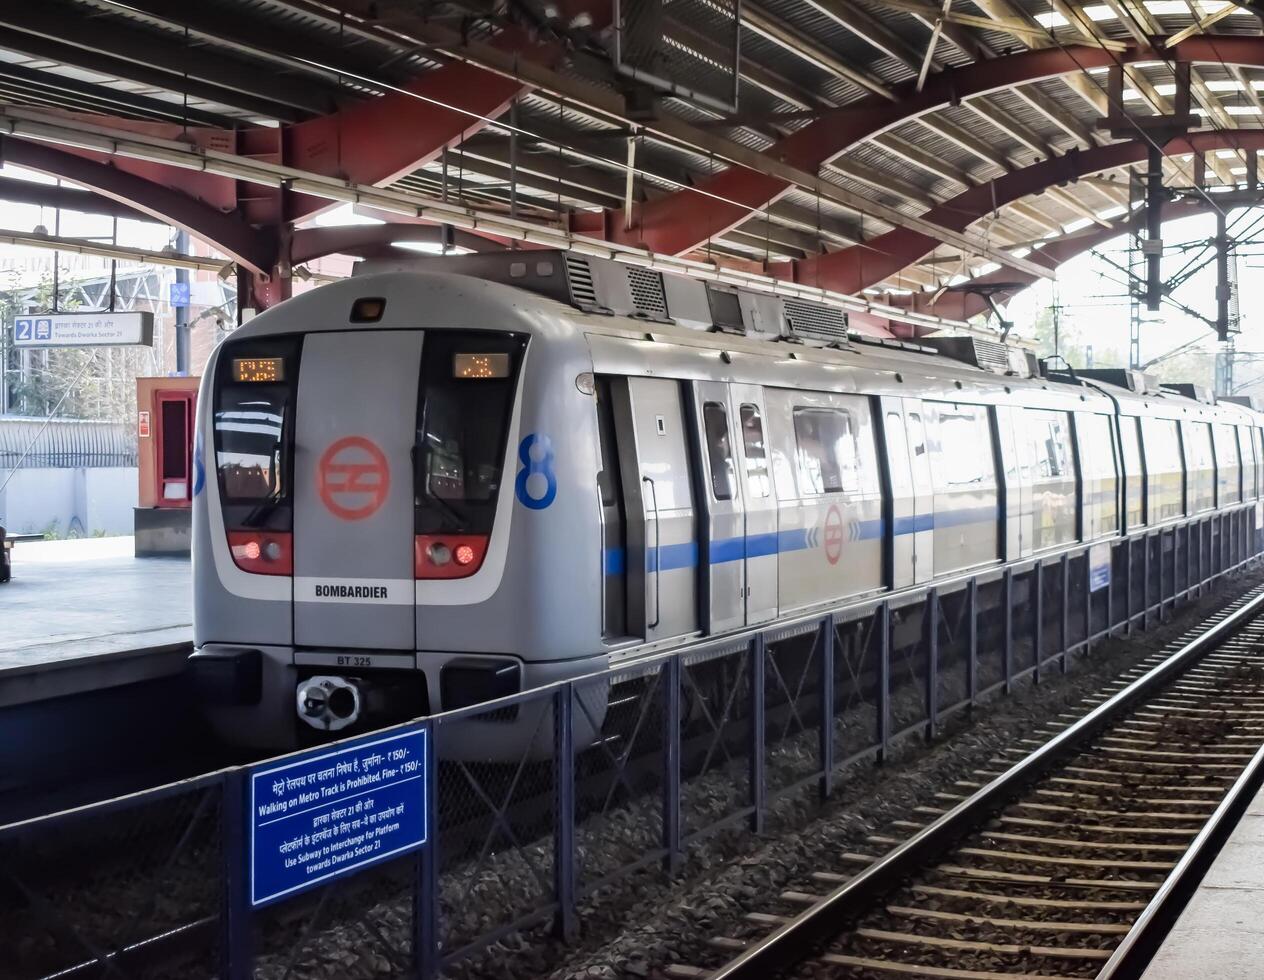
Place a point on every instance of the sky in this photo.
(1094, 307)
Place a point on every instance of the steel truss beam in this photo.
(859, 267)
(409, 30)
(25, 125)
(679, 222)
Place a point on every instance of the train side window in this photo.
(1133, 478)
(961, 456)
(719, 451)
(898, 452)
(1161, 444)
(1052, 441)
(756, 453)
(1228, 465)
(1200, 466)
(1247, 451)
(825, 451)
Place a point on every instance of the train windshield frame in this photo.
(462, 430)
(253, 424)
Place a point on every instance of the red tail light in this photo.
(263, 552)
(448, 555)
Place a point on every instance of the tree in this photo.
(72, 382)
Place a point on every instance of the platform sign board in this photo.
(1098, 567)
(331, 811)
(100, 329)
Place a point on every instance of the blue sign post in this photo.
(179, 293)
(334, 810)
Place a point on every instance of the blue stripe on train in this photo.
(675, 556)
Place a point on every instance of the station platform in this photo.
(86, 614)
(1219, 935)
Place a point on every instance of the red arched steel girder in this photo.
(371, 142)
(226, 232)
(685, 219)
(852, 269)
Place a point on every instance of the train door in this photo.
(760, 500)
(923, 493)
(354, 580)
(902, 557)
(912, 493)
(661, 554)
(722, 524)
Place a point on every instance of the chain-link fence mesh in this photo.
(132, 889)
(619, 772)
(136, 887)
(1022, 612)
(715, 750)
(910, 667)
(792, 707)
(356, 928)
(954, 650)
(1051, 609)
(857, 676)
(497, 813)
(992, 600)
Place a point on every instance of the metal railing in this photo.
(616, 774)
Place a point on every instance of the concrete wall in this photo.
(83, 500)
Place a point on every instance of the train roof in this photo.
(608, 298)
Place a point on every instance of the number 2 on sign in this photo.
(539, 464)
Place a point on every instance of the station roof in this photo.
(862, 128)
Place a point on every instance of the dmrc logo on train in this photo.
(353, 478)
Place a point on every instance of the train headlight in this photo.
(448, 555)
(262, 552)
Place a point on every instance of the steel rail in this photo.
(1133, 954)
(789, 945)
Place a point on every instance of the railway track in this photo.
(1069, 856)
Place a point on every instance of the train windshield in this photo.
(462, 426)
(251, 423)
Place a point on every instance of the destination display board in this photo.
(334, 810)
(99, 329)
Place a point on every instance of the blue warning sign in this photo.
(334, 810)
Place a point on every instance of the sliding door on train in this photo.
(658, 556)
(738, 513)
(760, 499)
(912, 499)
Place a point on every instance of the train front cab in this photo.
(357, 480)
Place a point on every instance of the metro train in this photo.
(442, 481)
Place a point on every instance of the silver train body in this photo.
(447, 481)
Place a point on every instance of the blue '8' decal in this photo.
(199, 468)
(543, 466)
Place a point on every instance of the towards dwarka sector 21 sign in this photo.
(100, 329)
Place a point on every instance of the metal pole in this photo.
(182, 312)
(828, 635)
(758, 720)
(1154, 229)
